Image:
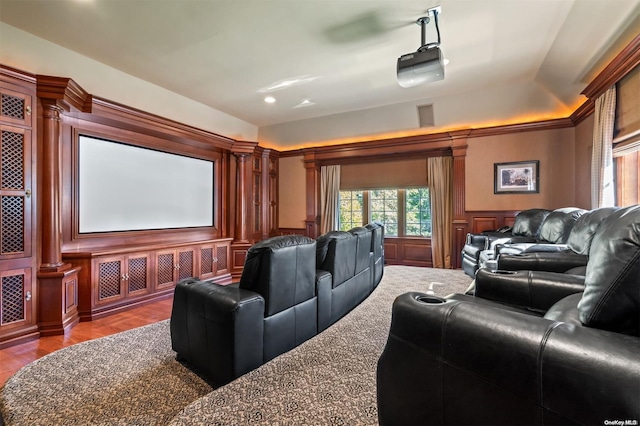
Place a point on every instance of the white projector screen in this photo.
(127, 188)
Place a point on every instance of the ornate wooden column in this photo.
(242, 205)
(243, 152)
(460, 224)
(312, 167)
(57, 281)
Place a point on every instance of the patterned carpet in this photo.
(132, 378)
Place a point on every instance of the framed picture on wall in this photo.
(520, 177)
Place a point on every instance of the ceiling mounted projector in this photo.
(427, 63)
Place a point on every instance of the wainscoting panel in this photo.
(407, 251)
(489, 220)
(292, 231)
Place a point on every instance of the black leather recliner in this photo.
(551, 237)
(524, 230)
(226, 331)
(543, 356)
(345, 273)
(571, 258)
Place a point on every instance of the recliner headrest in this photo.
(557, 226)
(528, 222)
(585, 227)
(323, 242)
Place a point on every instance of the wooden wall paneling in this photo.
(292, 231)
(19, 248)
(490, 220)
(417, 253)
(312, 189)
(238, 255)
(460, 223)
(481, 224)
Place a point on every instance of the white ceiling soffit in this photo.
(319, 58)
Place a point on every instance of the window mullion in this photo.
(402, 193)
(366, 216)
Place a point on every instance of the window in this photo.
(418, 212)
(384, 209)
(404, 212)
(350, 209)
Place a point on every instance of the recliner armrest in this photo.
(466, 363)
(541, 261)
(234, 320)
(537, 290)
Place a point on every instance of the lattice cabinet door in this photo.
(15, 107)
(15, 299)
(15, 193)
(186, 263)
(207, 261)
(222, 258)
(137, 275)
(166, 268)
(214, 260)
(109, 280)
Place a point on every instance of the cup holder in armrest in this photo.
(429, 299)
(503, 272)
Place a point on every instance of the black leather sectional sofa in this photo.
(291, 288)
(544, 348)
(540, 239)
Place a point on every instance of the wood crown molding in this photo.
(583, 111)
(244, 147)
(65, 92)
(112, 113)
(13, 73)
(626, 60)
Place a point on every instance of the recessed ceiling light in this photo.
(304, 103)
(269, 99)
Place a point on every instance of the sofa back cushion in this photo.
(528, 222)
(363, 248)
(282, 270)
(336, 253)
(611, 299)
(377, 238)
(557, 226)
(585, 227)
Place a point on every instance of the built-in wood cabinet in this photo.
(114, 279)
(17, 240)
(214, 260)
(118, 277)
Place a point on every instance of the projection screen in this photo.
(127, 188)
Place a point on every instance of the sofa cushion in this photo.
(565, 310)
(528, 222)
(585, 227)
(335, 253)
(281, 269)
(611, 299)
(557, 226)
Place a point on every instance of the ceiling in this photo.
(324, 57)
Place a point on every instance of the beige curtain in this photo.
(602, 190)
(329, 198)
(440, 182)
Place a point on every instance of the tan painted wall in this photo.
(291, 192)
(564, 173)
(584, 144)
(555, 149)
(32, 54)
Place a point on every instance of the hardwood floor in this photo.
(15, 357)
